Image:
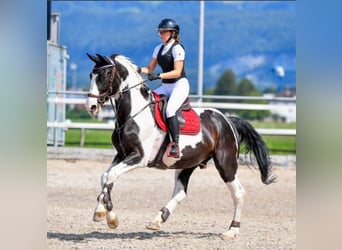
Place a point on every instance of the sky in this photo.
(104, 26)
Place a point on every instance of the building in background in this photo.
(56, 81)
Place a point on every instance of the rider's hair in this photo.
(177, 38)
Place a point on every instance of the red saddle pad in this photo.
(192, 123)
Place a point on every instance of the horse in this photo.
(140, 142)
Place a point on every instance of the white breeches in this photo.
(176, 92)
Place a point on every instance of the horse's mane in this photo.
(133, 77)
(125, 61)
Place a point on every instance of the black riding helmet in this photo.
(168, 24)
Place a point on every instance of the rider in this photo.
(170, 56)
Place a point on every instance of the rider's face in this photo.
(164, 35)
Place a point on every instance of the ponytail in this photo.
(177, 38)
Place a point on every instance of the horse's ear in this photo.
(93, 58)
(109, 60)
(101, 58)
(105, 59)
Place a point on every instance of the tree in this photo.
(246, 88)
(226, 85)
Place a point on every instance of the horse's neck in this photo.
(132, 103)
(137, 100)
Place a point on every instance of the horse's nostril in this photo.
(93, 108)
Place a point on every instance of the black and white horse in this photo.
(140, 142)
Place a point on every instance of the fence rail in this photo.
(240, 106)
(109, 126)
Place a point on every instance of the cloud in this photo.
(132, 10)
(251, 62)
(239, 64)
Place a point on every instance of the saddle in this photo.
(189, 121)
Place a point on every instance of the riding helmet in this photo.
(168, 24)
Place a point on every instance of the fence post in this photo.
(82, 139)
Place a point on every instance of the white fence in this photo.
(279, 104)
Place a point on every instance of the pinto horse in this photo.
(140, 142)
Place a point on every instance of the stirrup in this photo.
(172, 154)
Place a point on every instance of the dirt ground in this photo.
(268, 217)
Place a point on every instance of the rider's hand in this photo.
(139, 69)
(153, 76)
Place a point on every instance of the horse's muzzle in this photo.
(93, 109)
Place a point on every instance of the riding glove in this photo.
(139, 69)
(153, 76)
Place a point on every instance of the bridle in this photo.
(103, 97)
(108, 93)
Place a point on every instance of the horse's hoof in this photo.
(153, 226)
(112, 220)
(230, 234)
(100, 213)
(99, 216)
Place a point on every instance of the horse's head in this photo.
(106, 78)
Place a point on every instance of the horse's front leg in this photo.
(179, 194)
(104, 200)
(104, 207)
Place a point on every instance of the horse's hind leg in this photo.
(179, 193)
(237, 192)
(227, 166)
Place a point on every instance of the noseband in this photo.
(108, 94)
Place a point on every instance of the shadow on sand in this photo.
(132, 235)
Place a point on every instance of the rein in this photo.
(108, 94)
(132, 117)
(110, 88)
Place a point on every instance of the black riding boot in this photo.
(174, 131)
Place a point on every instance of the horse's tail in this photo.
(253, 142)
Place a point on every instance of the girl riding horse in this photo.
(170, 55)
(140, 142)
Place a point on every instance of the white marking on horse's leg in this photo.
(177, 196)
(108, 179)
(100, 210)
(166, 211)
(237, 192)
(104, 179)
(172, 204)
(116, 171)
(103, 208)
(178, 193)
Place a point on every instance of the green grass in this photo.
(282, 145)
(94, 138)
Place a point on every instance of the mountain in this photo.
(252, 38)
